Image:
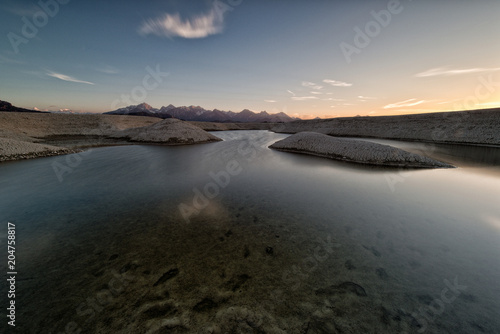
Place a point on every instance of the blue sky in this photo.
(305, 58)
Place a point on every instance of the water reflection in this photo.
(292, 243)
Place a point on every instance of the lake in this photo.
(232, 237)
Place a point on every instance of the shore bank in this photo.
(33, 135)
(213, 126)
(476, 127)
(351, 150)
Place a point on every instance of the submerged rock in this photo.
(353, 150)
(344, 287)
(166, 276)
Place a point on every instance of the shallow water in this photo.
(286, 244)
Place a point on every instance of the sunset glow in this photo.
(307, 59)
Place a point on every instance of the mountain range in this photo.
(197, 113)
(191, 113)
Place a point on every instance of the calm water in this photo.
(232, 237)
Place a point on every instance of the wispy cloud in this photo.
(317, 93)
(304, 98)
(199, 26)
(366, 97)
(289, 91)
(67, 78)
(107, 69)
(336, 83)
(7, 60)
(489, 104)
(270, 101)
(332, 99)
(448, 102)
(311, 84)
(406, 103)
(443, 71)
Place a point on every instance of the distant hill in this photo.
(6, 106)
(197, 113)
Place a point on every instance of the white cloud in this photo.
(317, 93)
(336, 83)
(366, 97)
(443, 71)
(199, 26)
(406, 103)
(448, 102)
(289, 91)
(67, 78)
(304, 98)
(332, 99)
(270, 101)
(489, 104)
(312, 85)
(108, 70)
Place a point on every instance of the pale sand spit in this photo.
(170, 131)
(352, 150)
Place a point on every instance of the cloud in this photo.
(312, 85)
(366, 97)
(199, 26)
(336, 83)
(332, 99)
(317, 93)
(443, 71)
(406, 103)
(489, 104)
(67, 78)
(304, 98)
(270, 101)
(447, 102)
(108, 70)
(289, 91)
(7, 60)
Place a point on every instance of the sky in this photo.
(310, 58)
